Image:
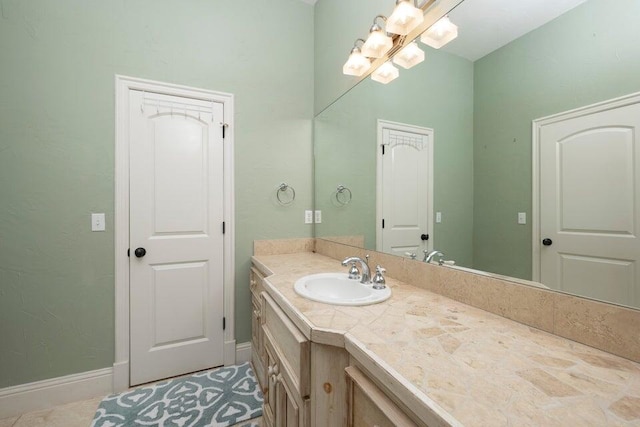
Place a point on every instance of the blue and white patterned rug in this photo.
(219, 397)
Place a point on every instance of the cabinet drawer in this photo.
(255, 282)
(369, 406)
(292, 346)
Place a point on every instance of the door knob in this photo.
(140, 252)
(424, 237)
(547, 242)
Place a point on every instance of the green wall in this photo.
(437, 94)
(590, 54)
(57, 151)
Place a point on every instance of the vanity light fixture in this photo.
(409, 56)
(404, 19)
(440, 33)
(357, 64)
(385, 73)
(378, 43)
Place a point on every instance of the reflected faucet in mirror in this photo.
(430, 255)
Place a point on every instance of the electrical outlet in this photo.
(318, 217)
(522, 217)
(438, 217)
(308, 217)
(97, 222)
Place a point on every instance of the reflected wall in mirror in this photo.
(480, 107)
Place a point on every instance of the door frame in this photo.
(404, 127)
(124, 84)
(536, 128)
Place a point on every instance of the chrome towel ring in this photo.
(343, 195)
(285, 194)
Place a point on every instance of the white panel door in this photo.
(405, 187)
(176, 216)
(590, 205)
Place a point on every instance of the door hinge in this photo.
(224, 323)
(129, 252)
(383, 223)
(224, 129)
(223, 227)
(383, 149)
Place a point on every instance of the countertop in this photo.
(454, 364)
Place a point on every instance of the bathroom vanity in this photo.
(421, 358)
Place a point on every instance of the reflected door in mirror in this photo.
(590, 203)
(405, 188)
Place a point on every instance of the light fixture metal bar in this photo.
(433, 13)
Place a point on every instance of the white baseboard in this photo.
(39, 395)
(229, 353)
(120, 376)
(243, 352)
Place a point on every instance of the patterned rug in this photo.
(219, 397)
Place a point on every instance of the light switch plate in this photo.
(522, 217)
(97, 222)
(318, 217)
(438, 217)
(308, 217)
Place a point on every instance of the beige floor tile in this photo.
(8, 422)
(77, 414)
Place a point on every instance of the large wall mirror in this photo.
(464, 120)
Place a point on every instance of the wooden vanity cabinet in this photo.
(287, 351)
(342, 392)
(258, 357)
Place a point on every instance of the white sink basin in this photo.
(338, 289)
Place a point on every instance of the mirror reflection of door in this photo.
(590, 201)
(404, 188)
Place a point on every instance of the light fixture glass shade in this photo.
(357, 64)
(385, 73)
(377, 44)
(440, 33)
(409, 56)
(404, 19)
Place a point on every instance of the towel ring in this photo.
(284, 189)
(347, 195)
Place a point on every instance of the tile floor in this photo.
(76, 414)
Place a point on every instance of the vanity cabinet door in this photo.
(288, 414)
(257, 347)
(369, 406)
(270, 407)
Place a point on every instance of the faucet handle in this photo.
(354, 273)
(378, 280)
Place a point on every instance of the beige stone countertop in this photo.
(454, 364)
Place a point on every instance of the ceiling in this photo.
(486, 25)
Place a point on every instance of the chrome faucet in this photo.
(428, 256)
(364, 267)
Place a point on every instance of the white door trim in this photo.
(386, 124)
(537, 124)
(123, 85)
